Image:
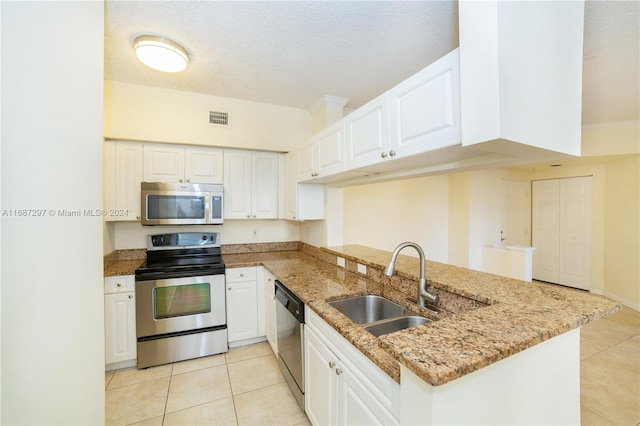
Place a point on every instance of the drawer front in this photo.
(234, 275)
(119, 284)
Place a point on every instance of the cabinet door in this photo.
(163, 163)
(331, 151)
(203, 165)
(128, 176)
(290, 193)
(425, 109)
(367, 133)
(270, 326)
(242, 310)
(120, 327)
(356, 405)
(306, 161)
(320, 381)
(264, 185)
(237, 184)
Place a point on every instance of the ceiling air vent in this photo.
(219, 118)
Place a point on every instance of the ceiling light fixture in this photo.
(161, 53)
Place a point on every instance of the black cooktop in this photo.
(186, 254)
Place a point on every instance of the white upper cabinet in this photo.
(172, 163)
(324, 156)
(203, 165)
(302, 201)
(122, 177)
(521, 75)
(367, 133)
(251, 184)
(425, 109)
(418, 116)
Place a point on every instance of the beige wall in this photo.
(145, 113)
(622, 231)
(454, 216)
(382, 215)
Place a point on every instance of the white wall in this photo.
(130, 235)
(52, 291)
(134, 112)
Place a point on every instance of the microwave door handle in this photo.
(207, 208)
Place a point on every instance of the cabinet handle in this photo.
(242, 274)
(338, 371)
(188, 180)
(180, 180)
(383, 154)
(138, 217)
(131, 296)
(248, 216)
(392, 153)
(269, 279)
(332, 364)
(118, 285)
(254, 216)
(229, 288)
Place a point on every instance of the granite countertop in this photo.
(511, 315)
(498, 316)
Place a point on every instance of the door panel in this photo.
(561, 222)
(575, 233)
(545, 227)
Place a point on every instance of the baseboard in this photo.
(622, 300)
(247, 342)
(121, 364)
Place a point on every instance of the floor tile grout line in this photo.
(233, 399)
(166, 400)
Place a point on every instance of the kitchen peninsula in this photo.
(501, 347)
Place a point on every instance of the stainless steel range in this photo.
(180, 299)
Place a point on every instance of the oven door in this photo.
(179, 304)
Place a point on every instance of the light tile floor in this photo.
(245, 387)
(242, 387)
(610, 370)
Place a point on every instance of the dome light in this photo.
(161, 54)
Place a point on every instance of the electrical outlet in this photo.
(341, 261)
(362, 269)
(254, 233)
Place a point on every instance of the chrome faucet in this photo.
(423, 294)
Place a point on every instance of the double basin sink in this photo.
(377, 315)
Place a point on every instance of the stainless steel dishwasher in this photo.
(290, 322)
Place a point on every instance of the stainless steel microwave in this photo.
(181, 204)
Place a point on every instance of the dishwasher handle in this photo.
(290, 301)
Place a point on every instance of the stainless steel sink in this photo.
(385, 327)
(369, 308)
(378, 315)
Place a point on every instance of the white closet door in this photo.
(575, 233)
(561, 222)
(546, 226)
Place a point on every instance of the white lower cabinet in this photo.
(342, 386)
(245, 305)
(270, 326)
(120, 319)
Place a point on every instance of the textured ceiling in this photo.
(293, 52)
